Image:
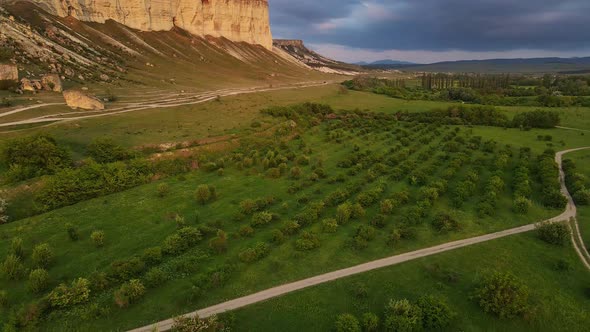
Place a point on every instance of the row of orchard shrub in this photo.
(577, 183)
(548, 176)
(485, 116)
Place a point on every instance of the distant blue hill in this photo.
(387, 62)
(578, 65)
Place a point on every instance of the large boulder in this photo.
(27, 85)
(8, 76)
(52, 82)
(78, 99)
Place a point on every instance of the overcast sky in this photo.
(435, 30)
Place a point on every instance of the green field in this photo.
(556, 296)
(582, 162)
(358, 157)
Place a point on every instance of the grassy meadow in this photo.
(301, 176)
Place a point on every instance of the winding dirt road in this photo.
(569, 213)
(158, 103)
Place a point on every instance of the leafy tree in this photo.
(370, 322)
(33, 156)
(436, 313)
(553, 233)
(522, 205)
(402, 316)
(38, 280)
(347, 323)
(97, 238)
(129, 293)
(503, 295)
(43, 255)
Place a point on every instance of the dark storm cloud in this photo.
(438, 25)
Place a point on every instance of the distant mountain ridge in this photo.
(524, 65)
(384, 62)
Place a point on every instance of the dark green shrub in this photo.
(34, 156)
(12, 267)
(219, 243)
(64, 296)
(444, 222)
(370, 322)
(347, 323)
(401, 315)
(329, 225)
(503, 295)
(43, 256)
(38, 281)
(126, 269)
(129, 292)
(73, 233)
(155, 277)
(152, 256)
(255, 253)
(17, 248)
(436, 314)
(246, 231)
(261, 218)
(97, 238)
(307, 241)
(553, 233)
(105, 150)
(205, 194)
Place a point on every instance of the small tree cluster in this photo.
(64, 296)
(503, 295)
(554, 233)
(205, 193)
(307, 241)
(129, 293)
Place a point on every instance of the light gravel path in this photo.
(26, 108)
(166, 102)
(570, 212)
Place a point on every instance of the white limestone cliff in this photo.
(237, 20)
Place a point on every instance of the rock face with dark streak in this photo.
(237, 20)
(8, 73)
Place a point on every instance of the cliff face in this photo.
(236, 20)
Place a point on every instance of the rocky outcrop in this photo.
(27, 85)
(236, 20)
(52, 82)
(295, 50)
(8, 75)
(78, 99)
